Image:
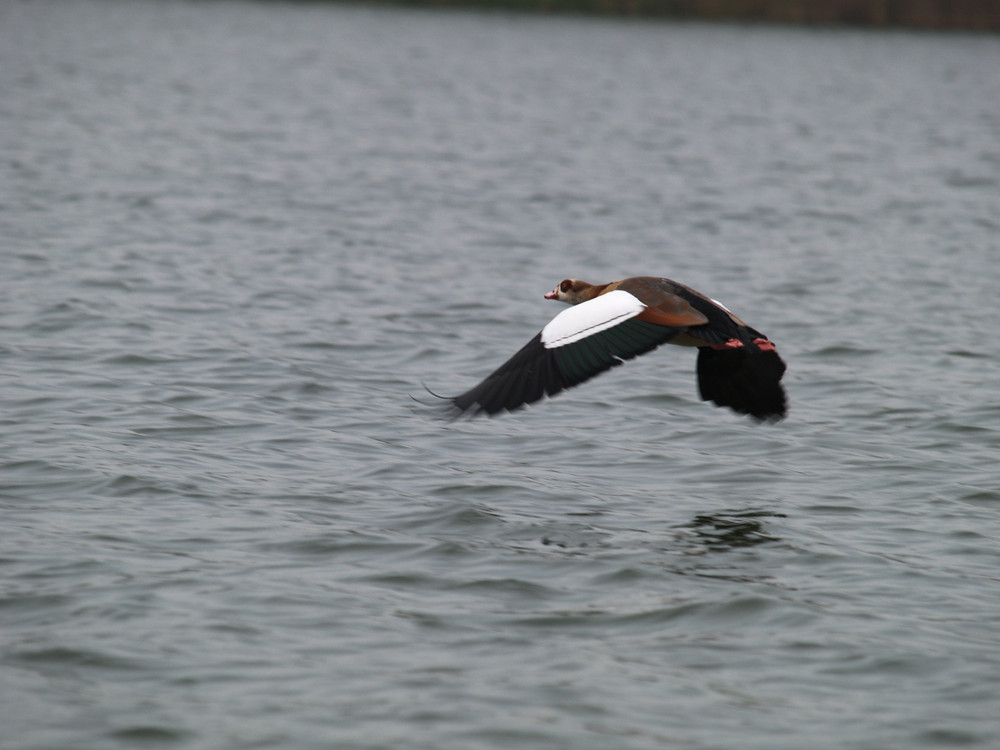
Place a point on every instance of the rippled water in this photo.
(237, 237)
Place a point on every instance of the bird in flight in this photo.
(738, 366)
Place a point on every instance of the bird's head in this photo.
(572, 291)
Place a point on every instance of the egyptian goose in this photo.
(738, 366)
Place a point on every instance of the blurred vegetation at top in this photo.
(927, 14)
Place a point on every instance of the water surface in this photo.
(235, 239)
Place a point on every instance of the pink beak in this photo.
(554, 294)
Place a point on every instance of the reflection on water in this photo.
(729, 530)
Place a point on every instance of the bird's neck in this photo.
(588, 293)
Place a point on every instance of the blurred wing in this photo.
(579, 343)
(746, 379)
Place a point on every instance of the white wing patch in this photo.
(588, 318)
(722, 306)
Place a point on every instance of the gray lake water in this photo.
(237, 237)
